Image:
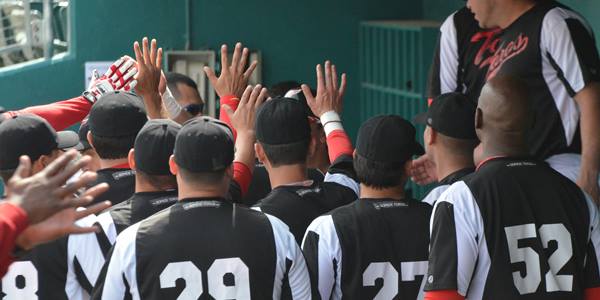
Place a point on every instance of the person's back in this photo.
(374, 246)
(226, 253)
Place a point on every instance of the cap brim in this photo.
(67, 140)
(420, 119)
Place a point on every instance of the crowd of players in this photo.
(273, 201)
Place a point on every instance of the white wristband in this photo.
(331, 121)
(172, 106)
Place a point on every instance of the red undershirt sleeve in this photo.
(60, 114)
(13, 221)
(443, 295)
(242, 175)
(339, 144)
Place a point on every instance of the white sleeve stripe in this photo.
(329, 250)
(122, 264)
(448, 56)
(288, 249)
(344, 180)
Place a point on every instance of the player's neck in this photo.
(447, 164)
(512, 11)
(110, 163)
(514, 149)
(396, 193)
(144, 186)
(285, 175)
(194, 190)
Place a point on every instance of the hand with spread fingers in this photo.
(234, 77)
(422, 171)
(149, 76)
(330, 94)
(120, 76)
(243, 121)
(51, 206)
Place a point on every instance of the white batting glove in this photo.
(120, 76)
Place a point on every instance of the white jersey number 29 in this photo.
(187, 271)
(29, 274)
(531, 281)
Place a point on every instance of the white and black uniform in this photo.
(204, 248)
(444, 184)
(514, 229)
(298, 205)
(69, 267)
(462, 56)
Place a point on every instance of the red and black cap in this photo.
(204, 144)
(387, 139)
(282, 121)
(30, 135)
(452, 115)
(154, 146)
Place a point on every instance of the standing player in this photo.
(284, 143)
(551, 48)
(449, 140)
(219, 249)
(375, 247)
(514, 229)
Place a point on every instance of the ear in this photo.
(408, 167)
(260, 153)
(131, 159)
(89, 139)
(430, 135)
(354, 153)
(312, 146)
(478, 118)
(173, 165)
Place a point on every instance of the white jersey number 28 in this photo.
(531, 281)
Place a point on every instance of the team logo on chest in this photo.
(506, 52)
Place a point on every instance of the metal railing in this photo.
(32, 29)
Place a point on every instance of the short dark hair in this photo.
(281, 88)
(158, 181)
(202, 178)
(174, 78)
(378, 175)
(113, 147)
(456, 146)
(286, 154)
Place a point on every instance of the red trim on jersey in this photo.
(339, 144)
(242, 175)
(487, 160)
(121, 166)
(61, 114)
(592, 293)
(13, 221)
(443, 295)
(232, 101)
(429, 101)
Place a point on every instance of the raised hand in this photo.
(243, 118)
(120, 76)
(43, 194)
(234, 77)
(149, 62)
(422, 171)
(330, 94)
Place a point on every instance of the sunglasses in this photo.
(194, 109)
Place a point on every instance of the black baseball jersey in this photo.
(444, 184)
(121, 185)
(462, 57)
(298, 205)
(203, 249)
(260, 186)
(369, 249)
(514, 229)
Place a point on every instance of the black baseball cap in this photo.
(387, 139)
(452, 115)
(30, 135)
(204, 144)
(154, 146)
(282, 121)
(117, 114)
